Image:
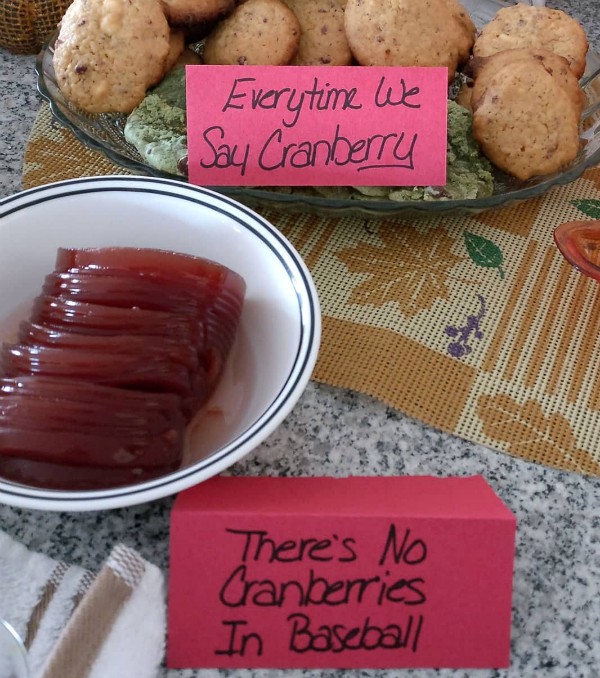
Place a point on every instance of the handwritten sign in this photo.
(332, 573)
(316, 126)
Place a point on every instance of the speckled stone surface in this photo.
(556, 603)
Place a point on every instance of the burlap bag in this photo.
(25, 25)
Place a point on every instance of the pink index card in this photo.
(316, 126)
(391, 572)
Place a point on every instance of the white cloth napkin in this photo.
(77, 624)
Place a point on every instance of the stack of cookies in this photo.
(526, 99)
(526, 63)
(109, 52)
(341, 32)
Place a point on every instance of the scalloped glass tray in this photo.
(104, 133)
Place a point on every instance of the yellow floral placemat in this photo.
(473, 324)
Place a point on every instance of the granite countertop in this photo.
(556, 602)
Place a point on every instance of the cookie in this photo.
(176, 48)
(257, 32)
(468, 31)
(525, 122)
(188, 58)
(539, 27)
(485, 68)
(404, 33)
(108, 52)
(465, 95)
(196, 18)
(323, 38)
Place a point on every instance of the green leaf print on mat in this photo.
(484, 252)
(588, 206)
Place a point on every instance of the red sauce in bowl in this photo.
(120, 351)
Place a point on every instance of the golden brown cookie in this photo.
(404, 33)
(541, 27)
(176, 47)
(257, 32)
(486, 67)
(196, 18)
(188, 57)
(468, 30)
(323, 38)
(525, 122)
(465, 95)
(108, 52)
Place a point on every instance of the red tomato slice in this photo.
(579, 243)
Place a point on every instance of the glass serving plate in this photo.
(105, 133)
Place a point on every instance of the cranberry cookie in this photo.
(109, 52)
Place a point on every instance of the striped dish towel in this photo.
(77, 624)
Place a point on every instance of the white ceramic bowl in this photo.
(278, 339)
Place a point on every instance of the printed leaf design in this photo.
(40, 158)
(484, 252)
(532, 435)
(589, 207)
(411, 268)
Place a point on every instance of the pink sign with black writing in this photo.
(316, 126)
(338, 573)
